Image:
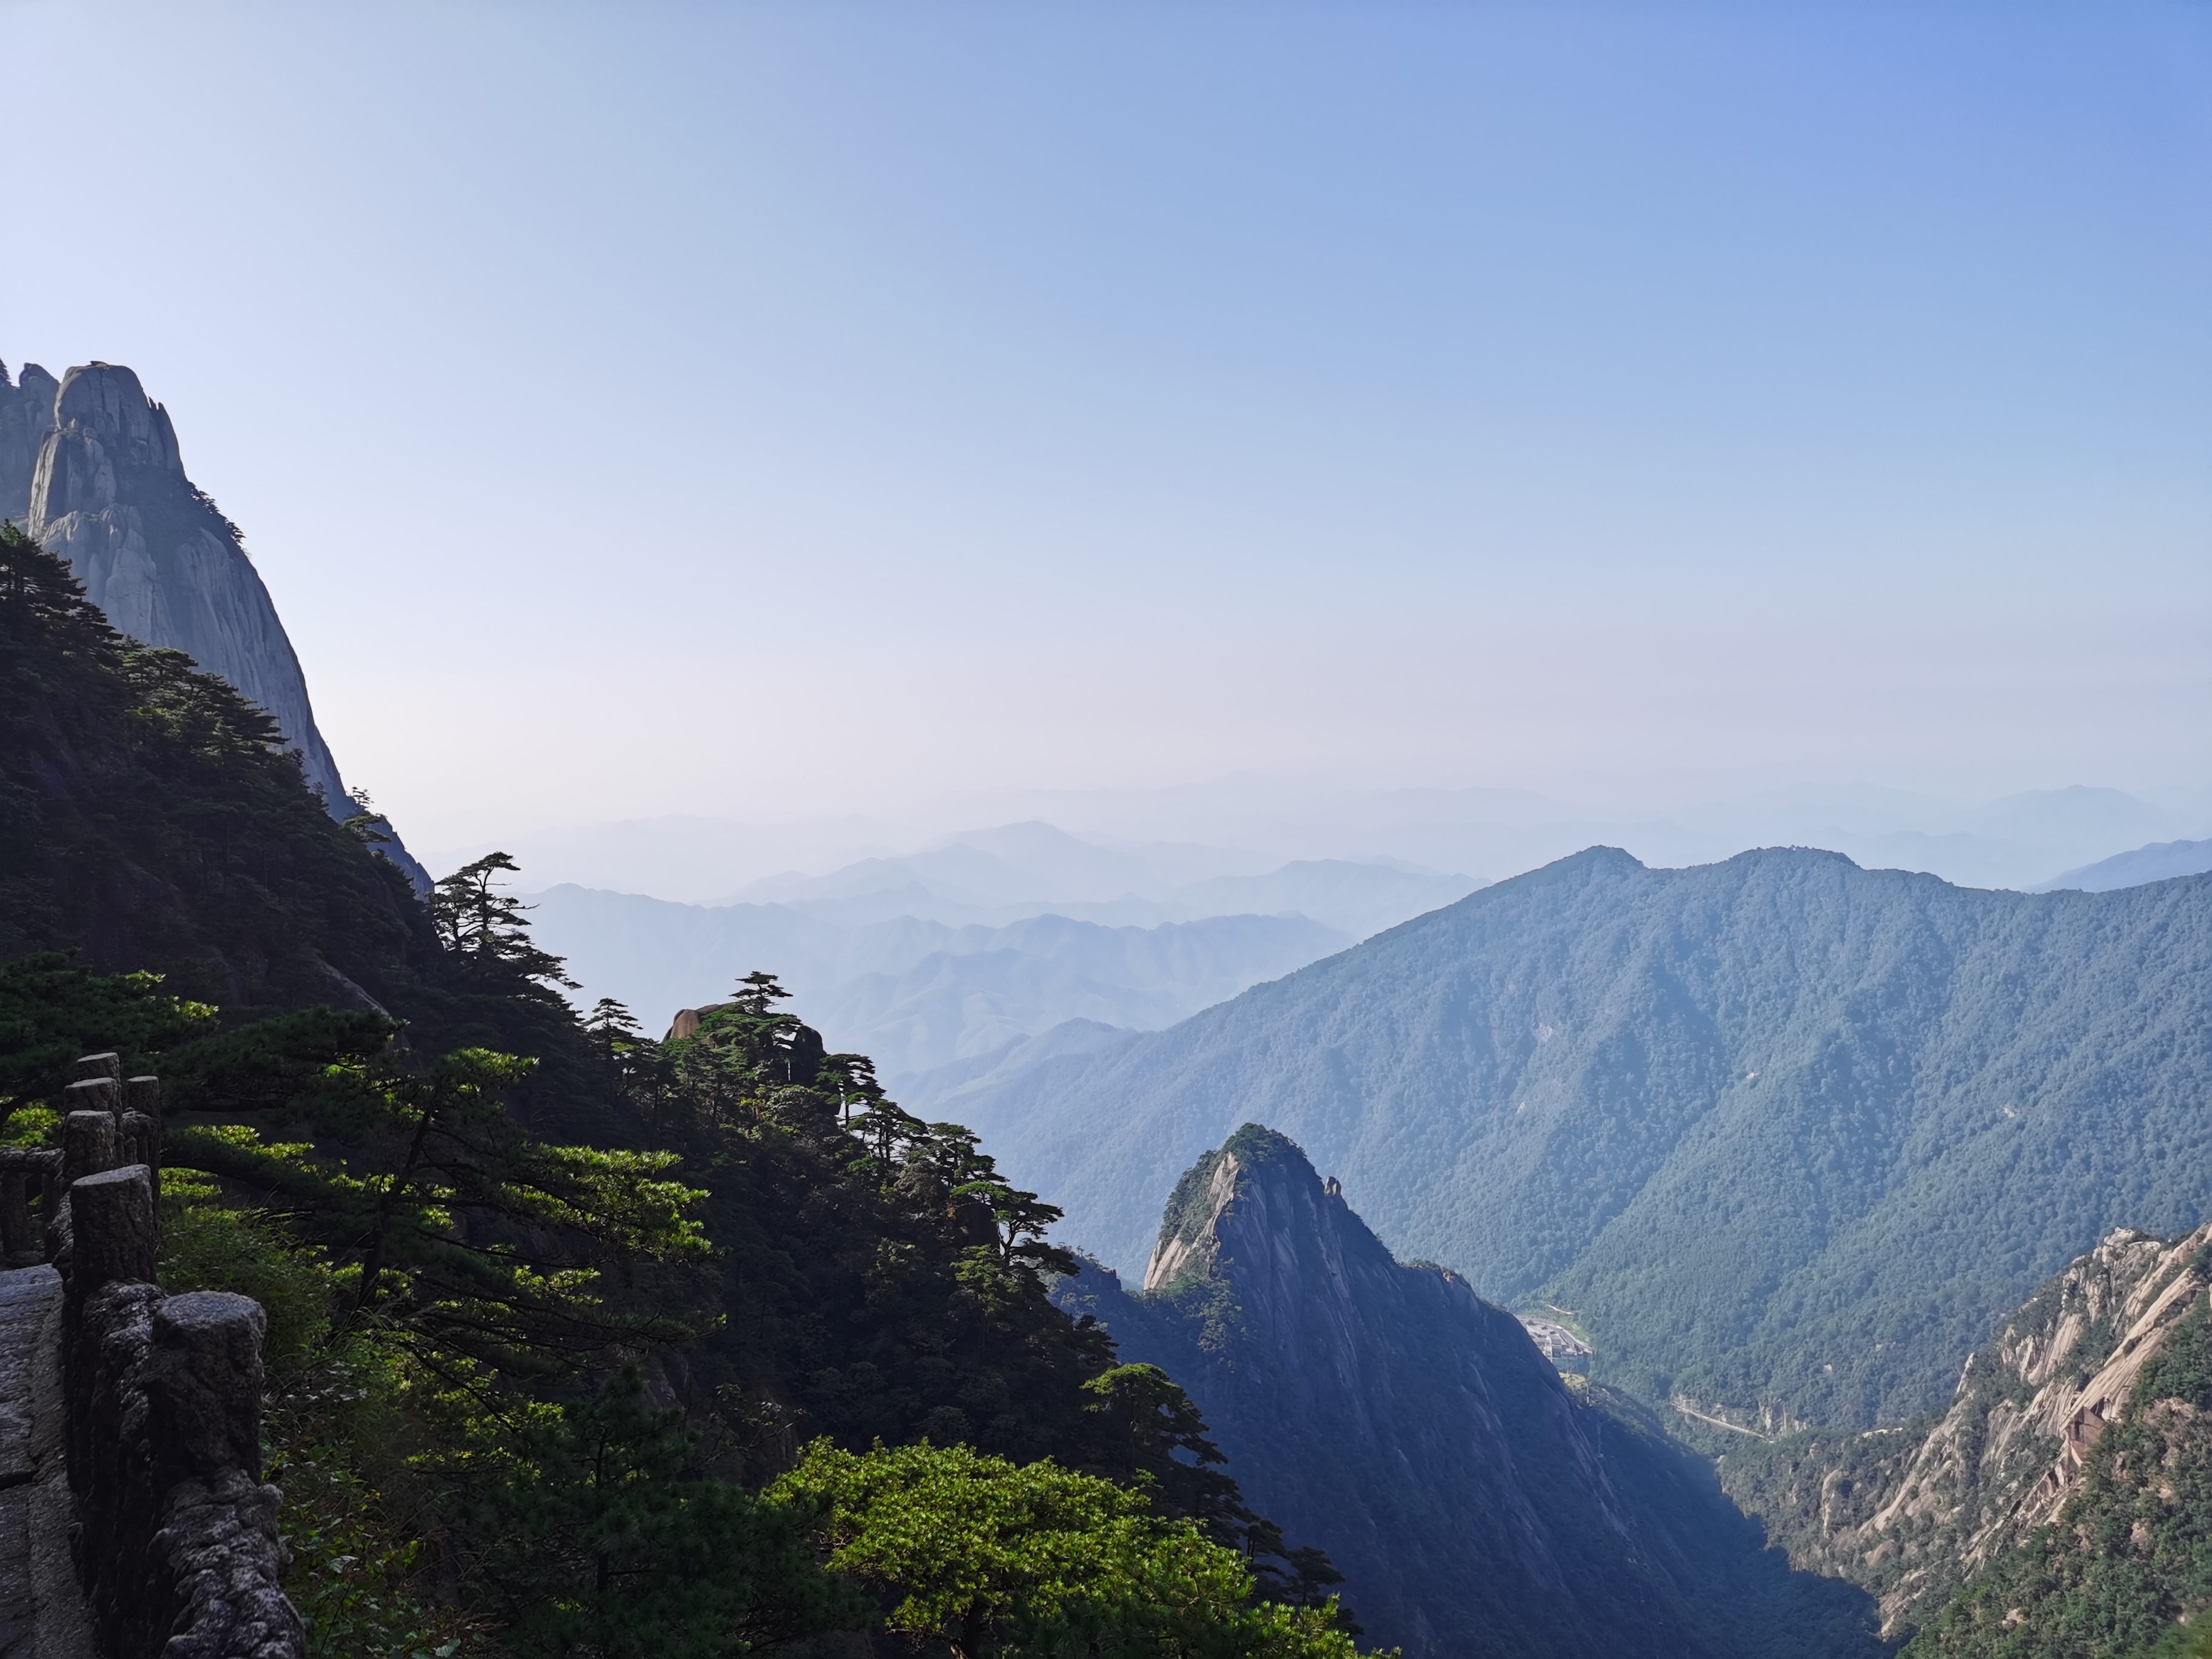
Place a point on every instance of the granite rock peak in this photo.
(90, 466)
(1478, 1502)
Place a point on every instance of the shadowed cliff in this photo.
(1477, 1502)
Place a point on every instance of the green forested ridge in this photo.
(1782, 1133)
(553, 1308)
(147, 823)
(1475, 1501)
(145, 817)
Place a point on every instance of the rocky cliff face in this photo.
(27, 414)
(1913, 1513)
(90, 466)
(1477, 1502)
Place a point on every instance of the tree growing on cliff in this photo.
(487, 929)
(474, 1241)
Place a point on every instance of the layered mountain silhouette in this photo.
(998, 876)
(2159, 861)
(1786, 1137)
(918, 994)
(1478, 1503)
(987, 940)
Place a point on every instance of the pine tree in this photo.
(488, 930)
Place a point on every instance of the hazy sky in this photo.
(804, 408)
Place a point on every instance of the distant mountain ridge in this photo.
(1479, 1503)
(918, 994)
(89, 466)
(2014, 842)
(2159, 861)
(995, 877)
(1789, 1136)
(987, 940)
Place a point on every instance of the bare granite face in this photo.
(1910, 1513)
(27, 414)
(89, 466)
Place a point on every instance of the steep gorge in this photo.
(1787, 1135)
(1478, 1503)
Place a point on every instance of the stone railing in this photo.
(174, 1540)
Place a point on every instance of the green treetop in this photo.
(1035, 1561)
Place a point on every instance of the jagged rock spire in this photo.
(27, 414)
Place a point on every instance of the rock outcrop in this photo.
(90, 466)
(27, 414)
(1477, 1502)
(1913, 1513)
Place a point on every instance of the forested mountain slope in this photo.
(1477, 1504)
(1783, 1133)
(147, 821)
(577, 1344)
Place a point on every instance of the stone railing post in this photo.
(19, 1243)
(116, 1235)
(217, 1559)
(90, 1143)
(176, 1544)
(22, 1171)
(142, 1126)
(94, 1094)
(111, 1240)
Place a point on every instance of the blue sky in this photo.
(790, 408)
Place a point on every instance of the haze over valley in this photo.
(1108, 831)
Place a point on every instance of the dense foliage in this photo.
(1784, 1134)
(146, 816)
(551, 1306)
(529, 1394)
(983, 1556)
